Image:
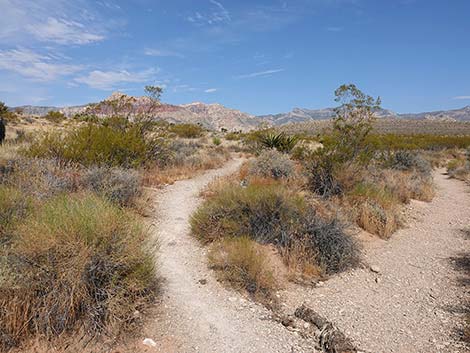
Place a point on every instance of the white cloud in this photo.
(462, 97)
(261, 73)
(35, 66)
(210, 90)
(62, 31)
(183, 88)
(162, 52)
(52, 21)
(108, 80)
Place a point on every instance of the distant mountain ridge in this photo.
(299, 115)
(212, 116)
(216, 116)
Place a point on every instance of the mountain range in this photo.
(216, 116)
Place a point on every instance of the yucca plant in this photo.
(279, 141)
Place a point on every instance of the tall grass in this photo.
(75, 264)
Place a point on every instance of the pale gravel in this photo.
(415, 303)
(205, 318)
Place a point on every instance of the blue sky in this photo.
(257, 56)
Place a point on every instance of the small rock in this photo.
(203, 281)
(377, 280)
(232, 299)
(149, 342)
(306, 325)
(320, 284)
(375, 269)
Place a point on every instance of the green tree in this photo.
(154, 92)
(353, 122)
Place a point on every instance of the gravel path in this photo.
(198, 314)
(413, 300)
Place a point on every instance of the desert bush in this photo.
(187, 130)
(233, 136)
(95, 144)
(327, 241)
(376, 207)
(54, 117)
(216, 141)
(244, 265)
(40, 178)
(279, 141)
(265, 213)
(76, 263)
(272, 164)
(14, 206)
(120, 186)
(407, 160)
(322, 176)
(270, 214)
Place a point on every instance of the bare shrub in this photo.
(407, 160)
(120, 186)
(272, 164)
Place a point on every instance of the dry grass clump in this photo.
(376, 208)
(459, 167)
(245, 265)
(14, 206)
(272, 164)
(76, 263)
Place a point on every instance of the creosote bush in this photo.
(272, 164)
(76, 263)
(187, 130)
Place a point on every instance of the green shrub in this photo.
(97, 145)
(265, 213)
(54, 117)
(272, 164)
(76, 263)
(187, 130)
(216, 141)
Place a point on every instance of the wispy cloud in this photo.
(35, 66)
(62, 31)
(184, 88)
(462, 97)
(210, 90)
(53, 21)
(260, 73)
(218, 14)
(109, 80)
(162, 53)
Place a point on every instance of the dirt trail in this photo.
(410, 305)
(414, 303)
(206, 317)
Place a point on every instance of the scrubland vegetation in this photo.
(304, 198)
(76, 259)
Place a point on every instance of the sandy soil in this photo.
(410, 302)
(415, 301)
